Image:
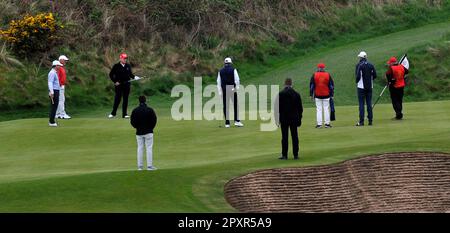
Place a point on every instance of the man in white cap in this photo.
(228, 83)
(53, 88)
(62, 76)
(365, 74)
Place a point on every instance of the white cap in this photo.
(228, 60)
(362, 54)
(56, 63)
(63, 57)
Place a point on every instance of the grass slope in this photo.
(341, 61)
(92, 168)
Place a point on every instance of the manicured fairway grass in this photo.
(93, 167)
(88, 163)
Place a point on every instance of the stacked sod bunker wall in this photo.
(394, 182)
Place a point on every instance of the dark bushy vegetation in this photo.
(175, 40)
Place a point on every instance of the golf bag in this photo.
(332, 110)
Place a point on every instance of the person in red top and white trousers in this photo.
(62, 76)
(322, 89)
(395, 76)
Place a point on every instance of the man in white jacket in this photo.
(228, 84)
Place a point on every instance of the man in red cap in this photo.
(395, 76)
(120, 75)
(321, 88)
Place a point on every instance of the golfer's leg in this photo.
(393, 99)
(126, 93)
(236, 107)
(326, 110)
(225, 102)
(319, 111)
(117, 98)
(284, 140)
(140, 151)
(54, 106)
(149, 148)
(294, 134)
(361, 105)
(60, 110)
(400, 101)
(369, 105)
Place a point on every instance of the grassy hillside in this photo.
(174, 40)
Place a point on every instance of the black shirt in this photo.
(121, 73)
(290, 109)
(143, 118)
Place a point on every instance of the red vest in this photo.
(398, 73)
(62, 76)
(321, 82)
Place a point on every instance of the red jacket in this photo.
(62, 76)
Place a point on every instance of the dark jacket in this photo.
(289, 107)
(367, 72)
(121, 74)
(143, 118)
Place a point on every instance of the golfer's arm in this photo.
(50, 83)
(236, 78)
(219, 82)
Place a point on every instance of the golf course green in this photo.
(88, 164)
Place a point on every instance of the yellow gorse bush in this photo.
(32, 33)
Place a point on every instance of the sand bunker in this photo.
(394, 182)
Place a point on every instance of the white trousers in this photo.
(61, 109)
(146, 140)
(323, 108)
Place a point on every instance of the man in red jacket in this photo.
(395, 76)
(321, 88)
(62, 76)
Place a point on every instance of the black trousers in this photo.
(53, 106)
(228, 96)
(123, 90)
(397, 101)
(285, 139)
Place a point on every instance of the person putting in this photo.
(143, 119)
(365, 74)
(321, 90)
(395, 76)
(288, 114)
(53, 92)
(120, 75)
(228, 84)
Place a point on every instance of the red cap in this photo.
(392, 60)
(123, 56)
(321, 65)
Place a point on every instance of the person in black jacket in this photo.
(365, 74)
(288, 115)
(143, 118)
(120, 75)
